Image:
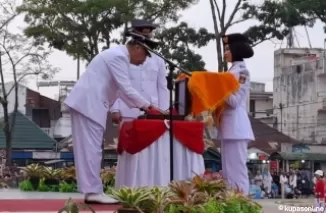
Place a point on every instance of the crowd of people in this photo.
(292, 184)
(10, 177)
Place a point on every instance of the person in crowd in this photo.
(283, 182)
(319, 189)
(293, 181)
(275, 190)
(267, 182)
(258, 179)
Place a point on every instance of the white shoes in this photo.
(99, 199)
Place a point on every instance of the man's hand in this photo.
(154, 108)
(116, 117)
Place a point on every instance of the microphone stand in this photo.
(170, 85)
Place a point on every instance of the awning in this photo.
(297, 156)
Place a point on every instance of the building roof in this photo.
(263, 132)
(298, 156)
(27, 135)
(268, 139)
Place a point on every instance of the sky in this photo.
(261, 66)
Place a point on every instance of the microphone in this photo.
(137, 36)
(141, 38)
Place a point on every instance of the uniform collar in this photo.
(237, 63)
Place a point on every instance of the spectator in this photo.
(283, 181)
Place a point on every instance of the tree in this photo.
(311, 9)
(176, 44)
(8, 12)
(19, 57)
(276, 19)
(222, 23)
(83, 28)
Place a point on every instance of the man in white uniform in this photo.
(89, 103)
(149, 79)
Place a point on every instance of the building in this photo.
(299, 96)
(42, 110)
(260, 102)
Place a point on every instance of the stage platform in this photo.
(13, 200)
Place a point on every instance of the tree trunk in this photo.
(7, 133)
(219, 55)
(217, 38)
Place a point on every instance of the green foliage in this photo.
(212, 206)
(67, 187)
(42, 187)
(313, 9)
(83, 28)
(76, 27)
(131, 198)
(26, 186)
(276, 18)
(177, 43)
(72, 207)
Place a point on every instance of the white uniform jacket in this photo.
(150, 81)
(235, 123)
(97, 89)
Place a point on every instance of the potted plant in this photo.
(186, 197)
(51, 176)
(72, 207)
(236, 201)
(108, 177)
(159, 199)
(3, 185)
(211, 182)
(68, 174)
(34, 173)
(131, 200)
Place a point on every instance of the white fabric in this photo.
(105, 79)
(151, 167)
(293, 181)
(87, 142)
(149, 80)
(235, 123)
(283, 179)
(267, 181)
(319, 172)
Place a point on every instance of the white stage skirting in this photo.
(151, 166)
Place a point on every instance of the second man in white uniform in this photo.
(146, 167)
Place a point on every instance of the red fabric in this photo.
(139, 134)
(319, 189)
(153, 112)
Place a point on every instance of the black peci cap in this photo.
(140, 23)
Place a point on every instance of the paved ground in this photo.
(270, 205)
(279, 206)
(16, 194)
